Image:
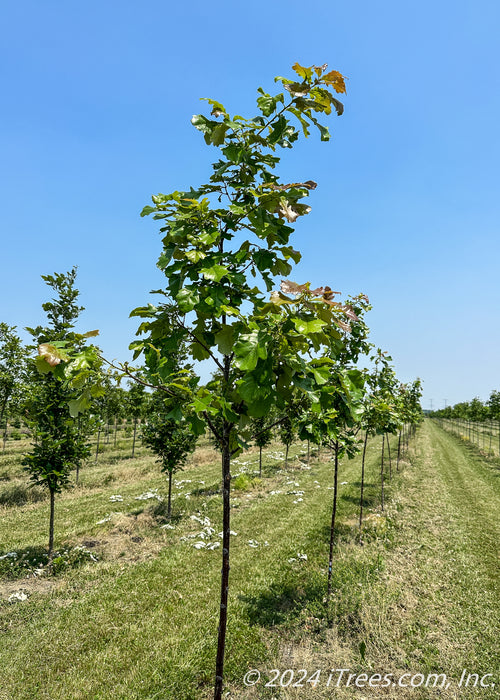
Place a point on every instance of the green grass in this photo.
(421, 592)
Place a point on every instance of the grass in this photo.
(420, 595)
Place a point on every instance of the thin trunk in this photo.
(51, 527)
(135, 431)
(382, 474)
(97, 446)
(286, 457)
(319, 452)
(224, 587)
(114, 436)
(260, 461)
(308, 451)
(362, 481)
(169, 502)
(389, 453)
(399, 451)
(332, 526)
(5, 434)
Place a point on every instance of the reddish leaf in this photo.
(349, 312)
(289, 287)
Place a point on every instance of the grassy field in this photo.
(138, 618)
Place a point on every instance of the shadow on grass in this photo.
(21, 494)
(283, 603)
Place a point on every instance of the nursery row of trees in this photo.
(474, 410)
(295, 353)
(476, 421)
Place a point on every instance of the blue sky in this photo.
(96, 104)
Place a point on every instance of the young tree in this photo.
(136, 402)
(288, 433)
(216, 238)
(12, 372)
(262, 435)
(173, 441)
(54, 402)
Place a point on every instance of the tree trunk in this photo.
(332, 526)
(97, 446)
(389, 453)
(260, 461)
(51, 527)
(362, 481)
(382, 474)
(399, 451)
(169, 503)
(286, 456)
(135, 431)
(224, 587)
(114, 436)
(308, 451)
(5, 434)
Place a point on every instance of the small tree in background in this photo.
(173, 441)
(54, 402)
(288, 432)
(12, 373)
(135, 402)
(262, 436)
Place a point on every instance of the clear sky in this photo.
(95, 107)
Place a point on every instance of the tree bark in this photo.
(97, 446)
(135, 431)
(226, 487)
(382, 474)
(399, 451)
(332, 526)
(389, 453)
(51, 527)
(362, 481)
(169, 503)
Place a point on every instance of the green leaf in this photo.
(195, 255)
(165, 257)
(187, 299)
(214, 273)
(306, 327)
(267, 104)
(42, 365)
(224, 339)
(248, 350)
(79, 405)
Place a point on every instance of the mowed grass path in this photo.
(422, 592)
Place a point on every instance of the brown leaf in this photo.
(289, 287)
(349, 312)
(345, 326)
(336, 80)
(332, 303)
(308, 185)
